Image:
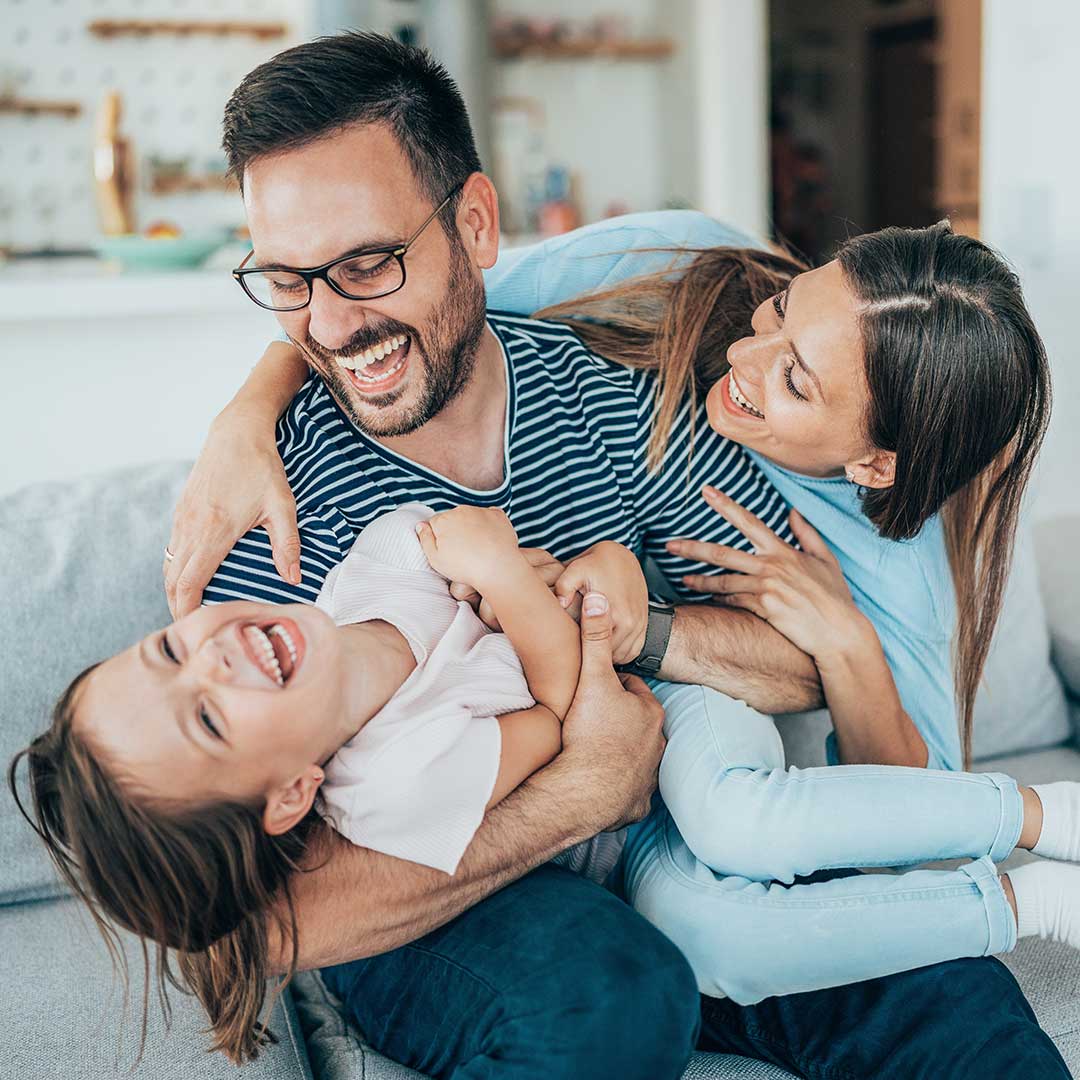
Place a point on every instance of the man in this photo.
(358, 169)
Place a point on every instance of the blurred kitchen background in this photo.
(122, 333)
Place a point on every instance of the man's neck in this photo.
(465, 441)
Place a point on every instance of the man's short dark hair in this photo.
(318, 88)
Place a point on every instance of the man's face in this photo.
(415, 348)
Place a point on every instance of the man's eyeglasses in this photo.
(366, 276)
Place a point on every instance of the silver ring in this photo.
(169, 556)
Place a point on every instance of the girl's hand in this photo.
(470, 544)
(237, 484)
(802, 594)
(614, 570)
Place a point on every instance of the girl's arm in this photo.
(803, 595)
(238, 483)
(478, 545)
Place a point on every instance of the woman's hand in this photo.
(802, 594)
(237, 483)
(614, 570)
(470, 544)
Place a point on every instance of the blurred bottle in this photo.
(113, 171)
(559, 213)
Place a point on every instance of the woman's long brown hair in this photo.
(958, 377)
(207, 882)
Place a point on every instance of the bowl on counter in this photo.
(166, 252)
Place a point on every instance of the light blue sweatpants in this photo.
(733, 823)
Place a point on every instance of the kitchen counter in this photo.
(82, 288)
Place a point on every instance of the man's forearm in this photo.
(742, 656)
(361, 903)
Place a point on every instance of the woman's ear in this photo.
(287, 806)
(878, 470)
(478, 220)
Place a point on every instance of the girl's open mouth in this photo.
(275, 648)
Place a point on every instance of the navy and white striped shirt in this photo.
(575, 471)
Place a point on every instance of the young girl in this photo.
(182, 780)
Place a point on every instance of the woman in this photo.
(903, 380)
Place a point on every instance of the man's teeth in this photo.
(265, 651)
(740, 400)
(378, 352)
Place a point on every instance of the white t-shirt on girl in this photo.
(415, 779)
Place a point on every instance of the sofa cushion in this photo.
(1021, 702)
(65, 1015)
(80, 574)
(1058, 542)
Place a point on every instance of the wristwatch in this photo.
(657, 636)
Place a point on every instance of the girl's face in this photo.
(797, 389)
(233, 701)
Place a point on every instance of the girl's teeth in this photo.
(270, 663)
(282, 633)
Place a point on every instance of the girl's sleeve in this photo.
(422, 796)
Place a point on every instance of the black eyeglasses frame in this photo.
(322, 273)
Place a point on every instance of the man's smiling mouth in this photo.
(380, 362)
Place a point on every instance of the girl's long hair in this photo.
(206, 881)
(958, 379)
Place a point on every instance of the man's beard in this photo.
(446, 353)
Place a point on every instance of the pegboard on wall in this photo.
(174, 88)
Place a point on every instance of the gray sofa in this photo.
(80, 571)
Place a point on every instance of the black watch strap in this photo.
(657, 636)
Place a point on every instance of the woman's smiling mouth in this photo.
(735, 400)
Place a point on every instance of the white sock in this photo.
(1060, 836)
(1047, 901)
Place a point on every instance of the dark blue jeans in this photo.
(555, 977)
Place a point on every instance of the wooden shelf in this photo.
(639, 49)
(30, 107)
(107, 28)
(173, 185)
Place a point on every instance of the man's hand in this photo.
(546, 566)
(614, 570)
(613, 735)
(237, 483)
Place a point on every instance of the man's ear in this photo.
(478, 220)
(877, 470)
(286, 806)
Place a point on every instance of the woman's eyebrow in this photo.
(794, 349)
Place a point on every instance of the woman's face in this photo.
(199, 710)
(797, 389)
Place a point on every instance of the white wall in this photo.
(731, 65)
(1031, 200)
